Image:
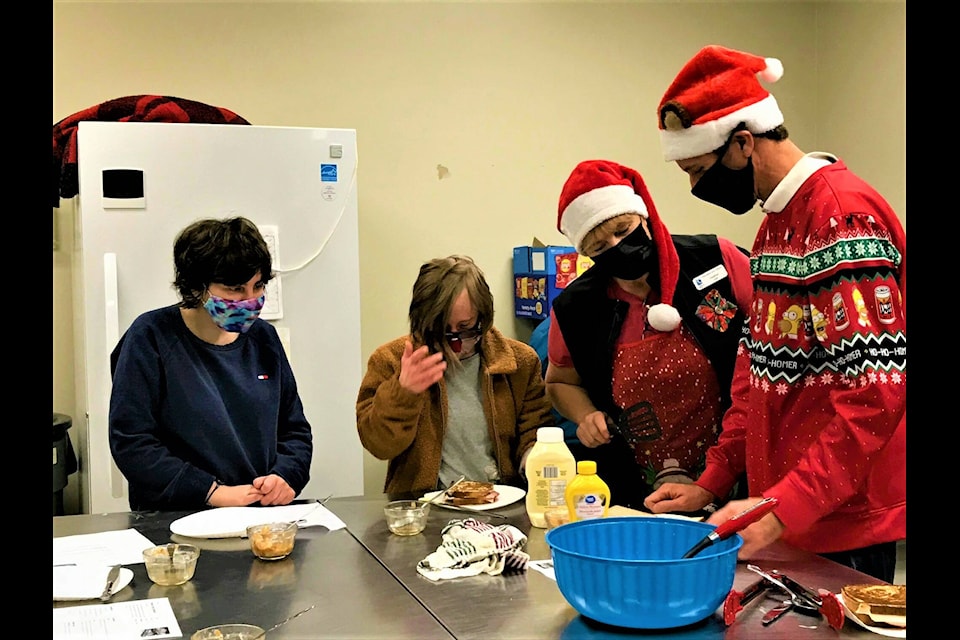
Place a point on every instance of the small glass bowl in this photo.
(272, 541)
(230, 632)
(171, 564)
(406, 517)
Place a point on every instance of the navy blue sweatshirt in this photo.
(184, 412)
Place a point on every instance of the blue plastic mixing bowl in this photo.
(628, 571)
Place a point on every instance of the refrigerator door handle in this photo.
(111, 310)
(110, 302)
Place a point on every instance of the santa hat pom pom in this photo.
(663, 317)
(773, 72)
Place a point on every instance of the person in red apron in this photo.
(641, 345)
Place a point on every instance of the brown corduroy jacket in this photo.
(407, 429)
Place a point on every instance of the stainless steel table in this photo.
(351, 593)
(529, 606)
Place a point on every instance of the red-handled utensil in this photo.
(831, 609)
(737, 523)
(826, 601)
(804, 600)
(737, 600)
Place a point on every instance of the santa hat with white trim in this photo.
(714, 92)
(598, 190)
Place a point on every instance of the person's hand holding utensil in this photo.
(737, 523)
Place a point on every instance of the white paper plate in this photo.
(232, 522)
(86, 582)
(890, 632)
(508, 495)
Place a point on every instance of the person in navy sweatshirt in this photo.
(204, 410)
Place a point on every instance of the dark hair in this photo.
(440, 282)
(777, 134)
(228, 251)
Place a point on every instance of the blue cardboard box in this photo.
(540, 273)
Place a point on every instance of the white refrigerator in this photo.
(140, 183)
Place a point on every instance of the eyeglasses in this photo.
(457, 338)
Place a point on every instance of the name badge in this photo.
(710, 276)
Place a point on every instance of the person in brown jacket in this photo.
(455, 397)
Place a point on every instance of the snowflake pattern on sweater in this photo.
(819, 413)
(827, 306)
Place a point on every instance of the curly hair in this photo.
(228, 251)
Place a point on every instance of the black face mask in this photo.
(731, 189)
(633, 256)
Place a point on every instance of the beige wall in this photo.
(506, 97)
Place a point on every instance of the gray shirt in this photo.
(467, 448)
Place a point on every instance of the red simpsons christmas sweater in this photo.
(819, 408)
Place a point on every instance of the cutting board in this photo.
(617, 510)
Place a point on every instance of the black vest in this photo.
(591, 321)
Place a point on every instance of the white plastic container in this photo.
(550, 467)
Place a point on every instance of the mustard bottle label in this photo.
(587, 506)
(587, 494)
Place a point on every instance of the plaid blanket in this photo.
(143, 108)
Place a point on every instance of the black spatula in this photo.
(638, 424)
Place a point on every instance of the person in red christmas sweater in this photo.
(818, 415)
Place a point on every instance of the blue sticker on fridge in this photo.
(328, 173)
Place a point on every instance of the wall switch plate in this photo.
(273, 305)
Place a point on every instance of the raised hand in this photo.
(420, 369)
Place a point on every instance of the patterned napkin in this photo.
(470, 547)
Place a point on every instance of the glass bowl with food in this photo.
(406, 517)
(169, 565)
(272, 541)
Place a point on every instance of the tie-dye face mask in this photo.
(235, 316)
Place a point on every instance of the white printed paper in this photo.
(543, 566)
(106, 548)
(153, 618)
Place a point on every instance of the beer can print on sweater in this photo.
(884, 304)
(840, 318)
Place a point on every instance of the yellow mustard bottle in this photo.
(549, 469)
(588, 496)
